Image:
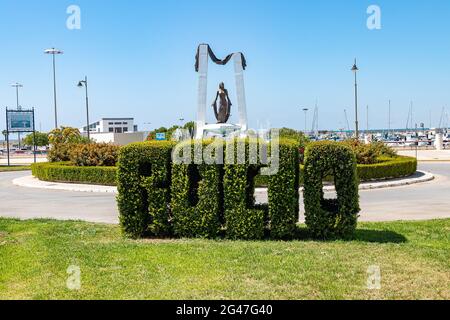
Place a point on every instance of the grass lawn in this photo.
(14, 168)
(414, 258)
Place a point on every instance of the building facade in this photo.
(112, 125)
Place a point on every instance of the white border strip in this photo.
(32, 182)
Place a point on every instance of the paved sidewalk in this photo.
(22, 161)
(32, 182)
(427, 155)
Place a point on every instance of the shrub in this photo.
(198, 196)
(144, 181)
(283, 192)
(382, 150)
(388, 168)
(243, 218)
(39, 138)
(94, 155)
(62, 141)
(364, 153)
(369, 153)
(336, 217)
(59, 152)
(64, 172)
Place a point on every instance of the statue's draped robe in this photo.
(224, 112)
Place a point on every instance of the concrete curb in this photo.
(32, 182)
(418, 177)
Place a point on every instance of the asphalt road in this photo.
(429, 200)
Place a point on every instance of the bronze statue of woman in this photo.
(224, 112)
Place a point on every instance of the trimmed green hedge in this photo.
(159, 197)
(283, 193)
(330, 218)
(388, 168)
(243, 220)
(197, 198)
(65, 172)
(144, 181)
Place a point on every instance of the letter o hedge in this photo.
(331, 218)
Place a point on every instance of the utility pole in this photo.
(355, 71)
(54, 52)
(17, 86)
(80, 85)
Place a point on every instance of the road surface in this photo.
(429, 200)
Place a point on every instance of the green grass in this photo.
(414, 258)
(14, 168)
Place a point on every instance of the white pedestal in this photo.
(221, 130)
(439, 142)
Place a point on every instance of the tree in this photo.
(66, 135)
(41, 139)
(62, 141)
(294, 135)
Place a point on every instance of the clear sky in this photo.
(139, 57)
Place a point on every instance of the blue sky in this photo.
(139, 57)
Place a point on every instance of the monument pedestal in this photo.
(222, 130)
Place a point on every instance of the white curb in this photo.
(421, 177)
(32, 182)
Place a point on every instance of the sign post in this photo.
(7, 137)
(20, 121)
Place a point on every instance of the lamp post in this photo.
(17, 86)
(305, 110)
(80, 85)
(54, 52)
(355, 71)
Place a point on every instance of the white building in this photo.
(112, 125)
(118, 131)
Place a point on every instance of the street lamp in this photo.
(80, 85)
(17, 86)
(305, 110)
(355, 71)
(54, 52)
